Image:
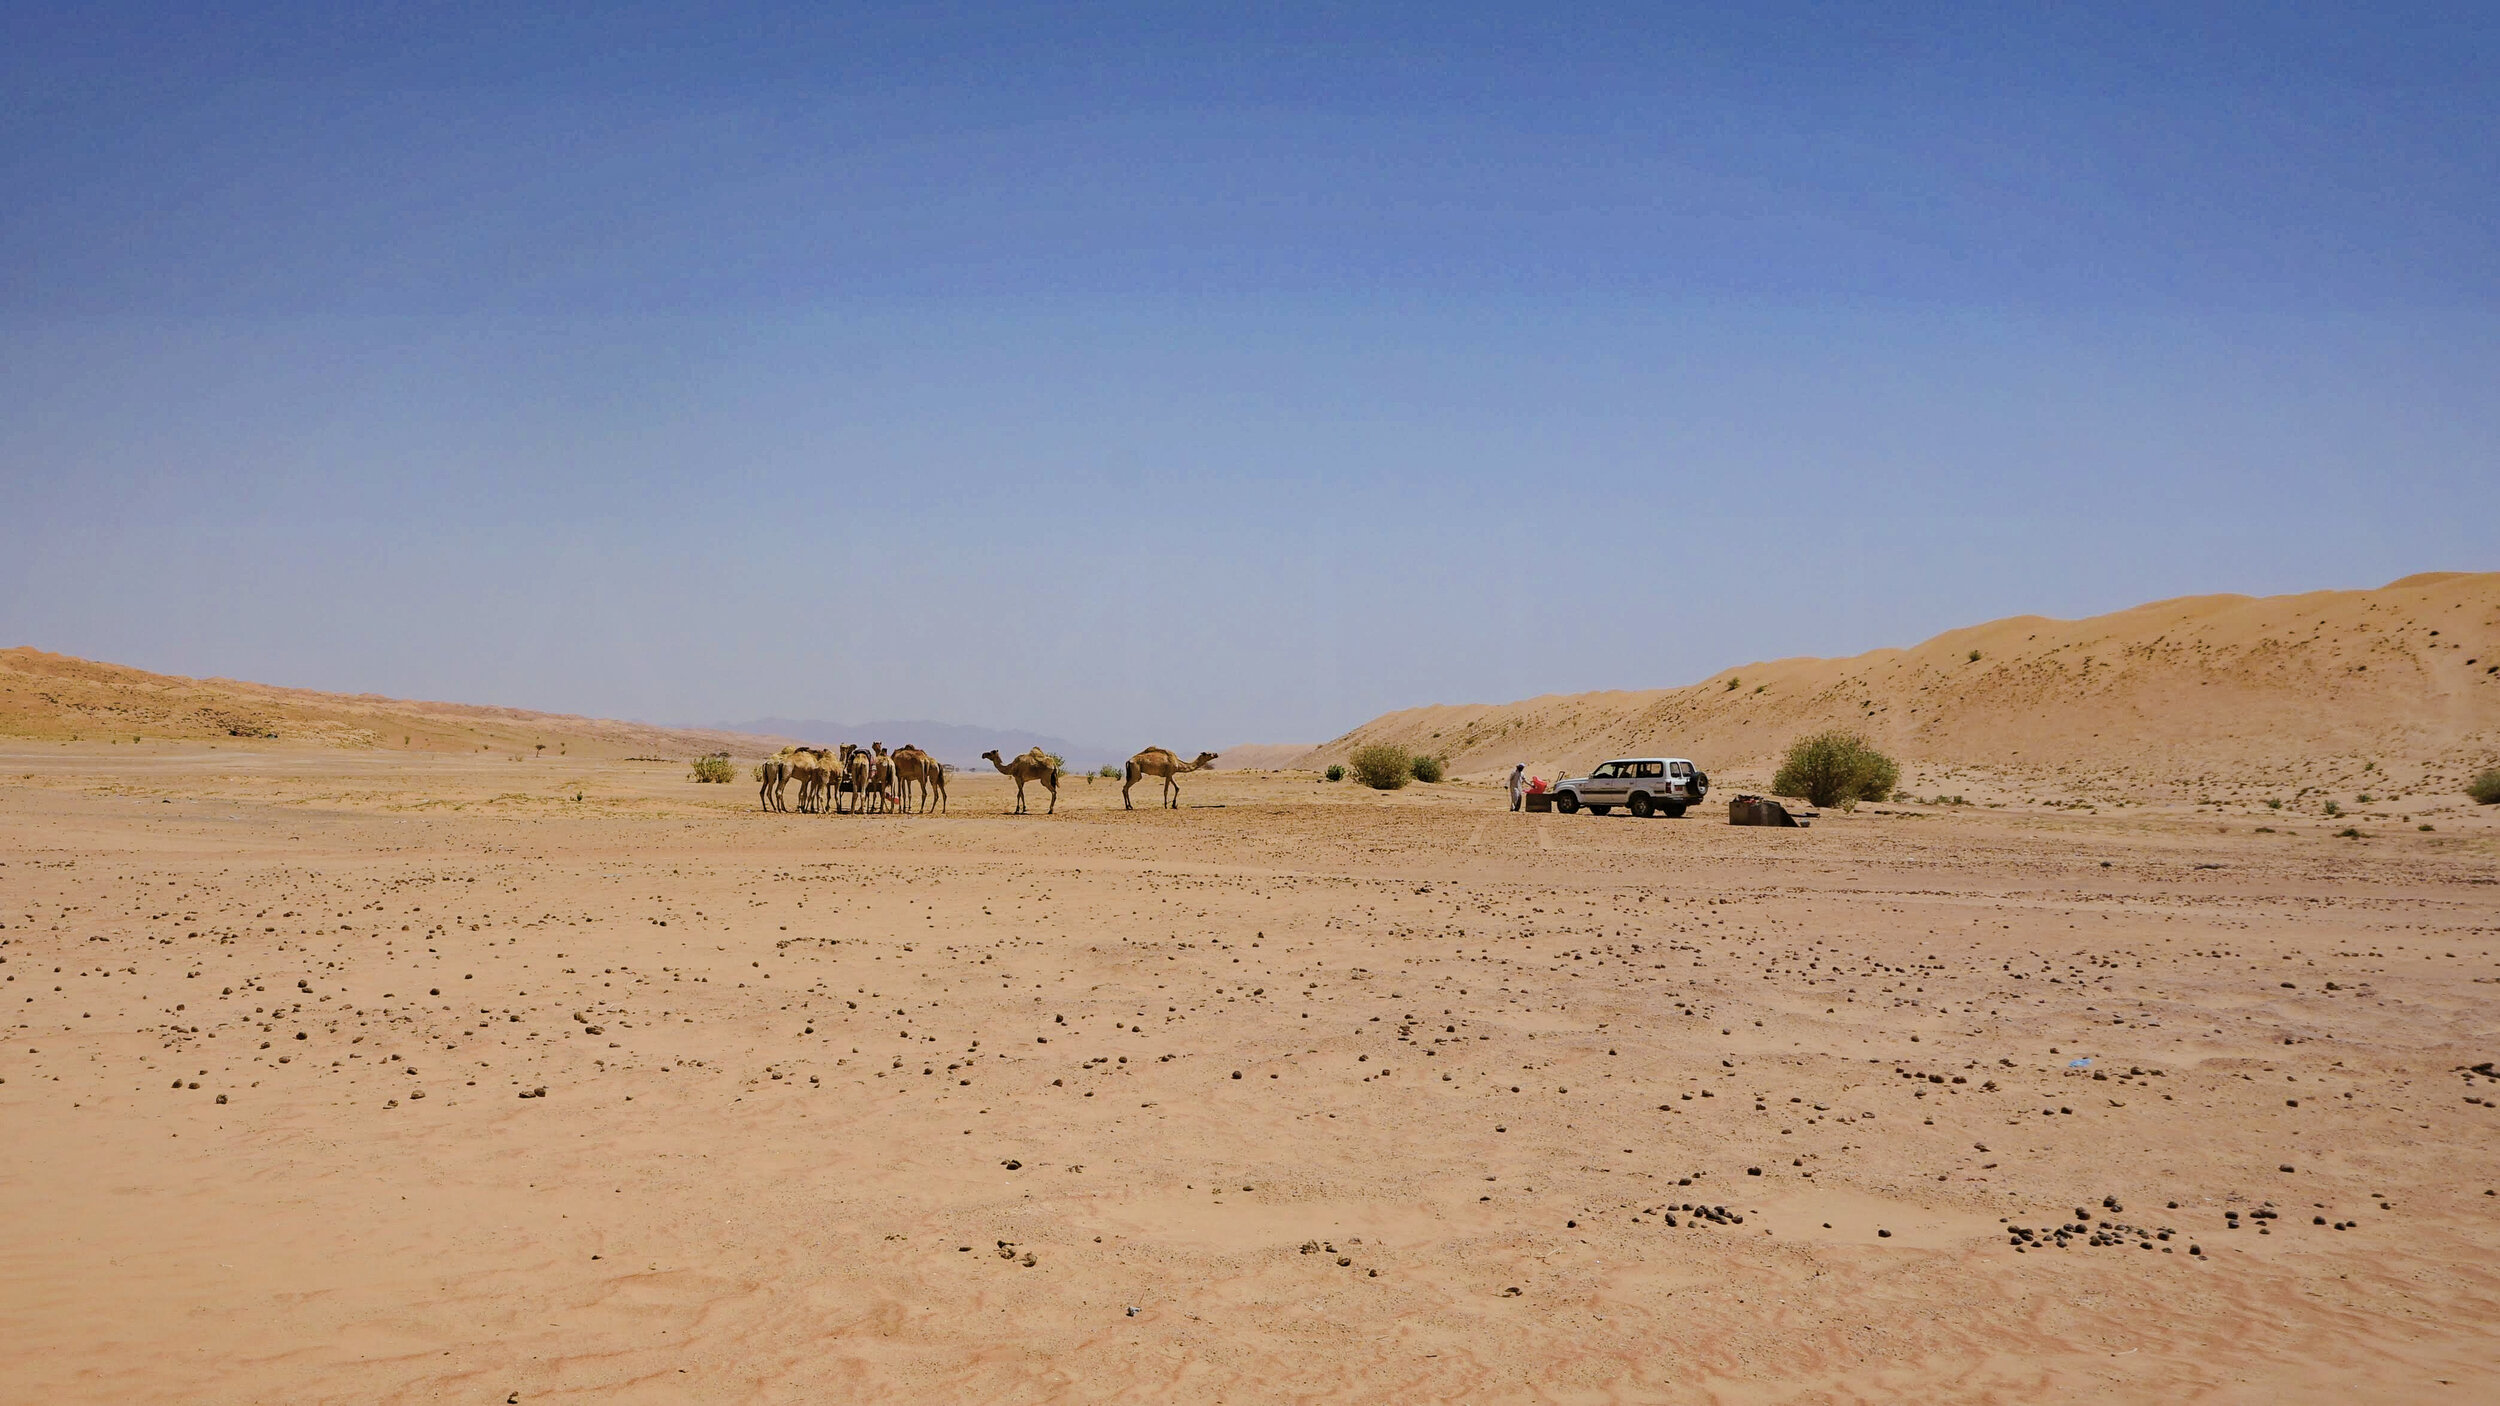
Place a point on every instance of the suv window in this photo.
(1601, 773)
(1651, 768)
(1683, 768)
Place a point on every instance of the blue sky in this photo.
(1213, 374)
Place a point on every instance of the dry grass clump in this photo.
(1383, 766)
(1836, 768)
(716, 767)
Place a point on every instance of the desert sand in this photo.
(373, 1075)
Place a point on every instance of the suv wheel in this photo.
(1675, 810)
(1567, 803)
(1641, 806)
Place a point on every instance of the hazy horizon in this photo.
(1119, 373)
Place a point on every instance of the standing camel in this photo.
(880, 781)
(819, 779)
(1156, 761)
(771, 776)
(1032, 766)
(911, 765)
(808, 766)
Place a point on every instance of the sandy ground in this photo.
(385, 1078)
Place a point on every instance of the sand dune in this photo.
(59, 697)
(1261, 756)
(2222, 696)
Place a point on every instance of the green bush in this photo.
(1836, 768)
(1383, 766)
(2485, 789)
(1430, 770)
(1336, 773)
(716, 767)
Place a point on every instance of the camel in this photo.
(849, 773)
(811, 766)
(1156, 761)
(911, 765)
(1032, 766)
(879, 778)
(857, 769)
(771, 775)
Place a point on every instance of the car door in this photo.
(1682, 778)
(1650, 780)
(1606, 785)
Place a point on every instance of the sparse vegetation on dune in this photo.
(1429, 770)
(2485, 789)
(1836, 768)
(1335, 772)
(716, 767)
(1383, 766)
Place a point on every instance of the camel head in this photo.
(992, 757)
(1204, 760)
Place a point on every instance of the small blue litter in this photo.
(2083, 1063)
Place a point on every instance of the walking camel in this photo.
(1158, 761)
(1032, 766)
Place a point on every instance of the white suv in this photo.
(1642, 785)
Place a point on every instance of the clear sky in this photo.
(1201, 374)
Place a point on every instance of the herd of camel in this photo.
(863, 781)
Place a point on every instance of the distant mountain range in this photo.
(956, 744)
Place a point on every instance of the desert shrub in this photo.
(1974, 656)
(2333, 810)
(1335, 772)
(1109, 771)
(1383, 766)
(1430, 770)
(2485, 789)
(1836, 768)
(716, 767)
